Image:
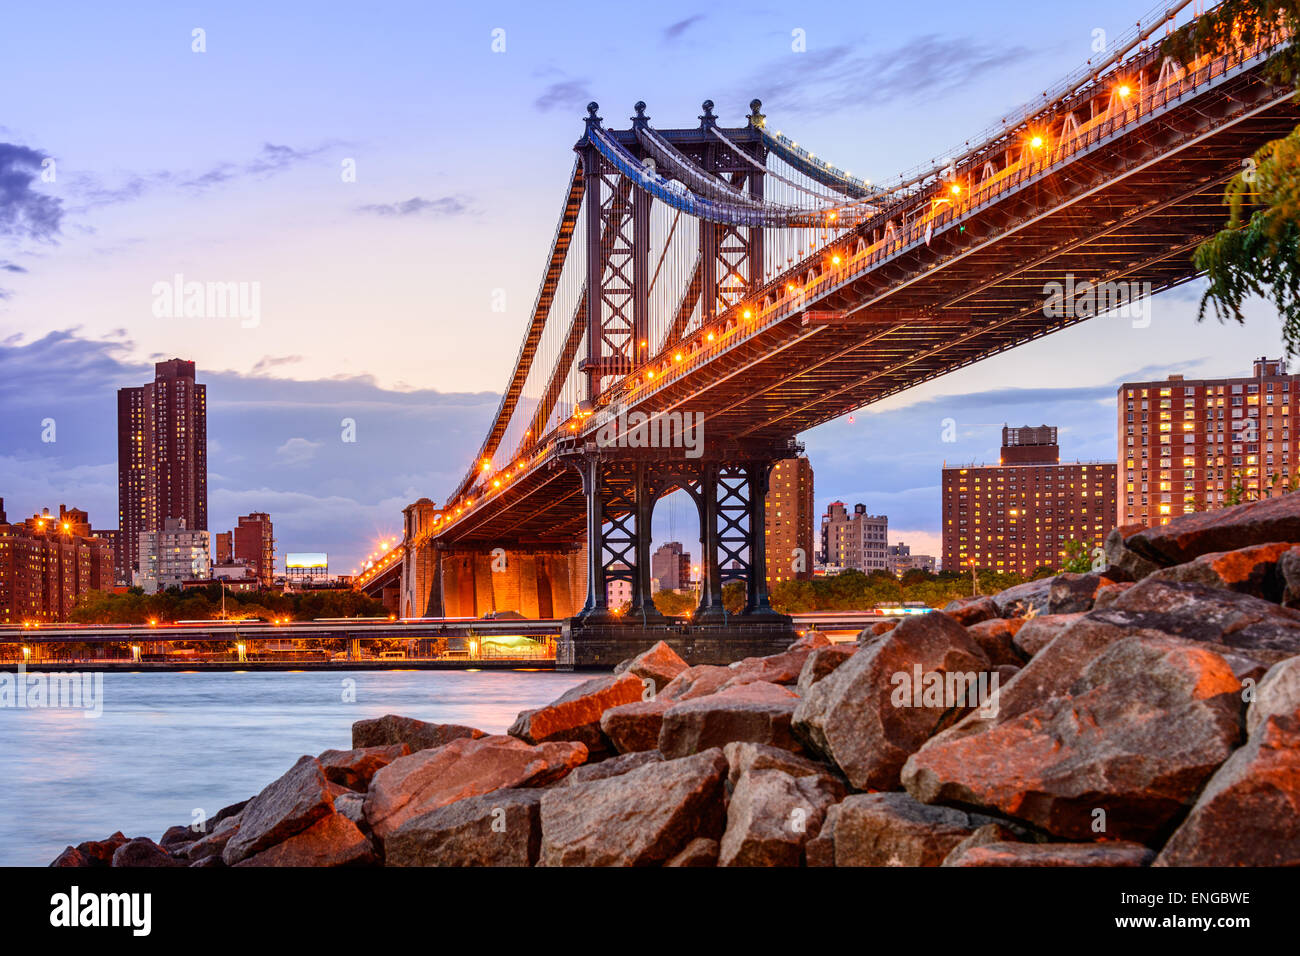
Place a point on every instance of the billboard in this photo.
(306, 561)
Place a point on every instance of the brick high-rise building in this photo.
(254, 544)
(162, 457)
(1193, 445)
(857, 540)
(224, 548)
(47, 563)
(788, 519)
(670, 567)
(1017, 516)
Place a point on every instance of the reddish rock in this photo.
(352, 805)
(781, 668)
(143, 852)
(634, 727)
(1251, 570)
(1249, 812)
(982, 836)
(971, 610)
(851, 718)
(996, 637)
(424, 781)
(502, 828)
(611, 767)
(698, 681)
(810, 641)
(1223, 529)
(354, 768)
(1072, 593)
(96, 853)
(177, 836)
(1115, 853)
(884, 627)
(284, 809)
(330, 841)
(822, 662)
(214, 843)
(1040, 631)
(890, 829)
(1136, 736)
(1108, 594)
(575, 715)
(1121, 558)
(759, 712)
(771, 816)
(1288, 567)
(72, 857)
(1025, 600)
(699, 852)
(392, 730)
(1277, 694)
(745, 757)
(641, 818)
(659, 664)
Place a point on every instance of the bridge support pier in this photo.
(621, 487)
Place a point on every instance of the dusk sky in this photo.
(376, 294)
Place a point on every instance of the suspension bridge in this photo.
(712, 291)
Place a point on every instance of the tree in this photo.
(1077, 558)
(1258, 253)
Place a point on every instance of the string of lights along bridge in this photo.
(726, 277)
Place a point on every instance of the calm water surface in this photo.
(169, 743)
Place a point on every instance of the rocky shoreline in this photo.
(1146, 713)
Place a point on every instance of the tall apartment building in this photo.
(254, 545)
(1185, 445)
(1017, 516)
(670, 567)
(47, 563)
(224, 548)
(788, 521)
(857, 540)
(172, 556)
(162, 457)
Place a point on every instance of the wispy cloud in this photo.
(674, 31)
(847, 76)
(563, 94)
(446, 206)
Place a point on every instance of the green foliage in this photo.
(1077, 557)
(203, 604)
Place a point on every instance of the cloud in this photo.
(842, 77)
(23, 211)
(269, 362)
(446, 206)
(297, 450)
(272, 159)
(674, 31)
(563, 94)
(11, 267)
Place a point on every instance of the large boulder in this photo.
(1122, 559)
(1073, 592)
(1249, 812)
(1288, 567)
(633, 727)
(1278, 693)
(91, 853)
(863, 717)
(354, 768)
(1251, 570)
(698, 681)
(1116, 853)
(743, 758)
(641, 818)
(783, 668)
(965, 611)
(1127, 747)
(392, 730)
(612, 767)
(1040, 631)
(771, 816)
(284, 809)
(891, 829)
(143, 852)
(1223, 529)
(414, 785)
(575, 715)
(1025, 600)
(822, 662)
(996, 638)
(331, 841)
(699, 852)
(502, 828)
(759, 712)
(214, 842)
(658, 664)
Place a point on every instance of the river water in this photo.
(168, 744)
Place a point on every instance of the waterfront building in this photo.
(902, 560)
(162, 458)
(788, 518)
(670, 567)
(254, 544)
(1199, 444)
(47, 563)
(1018, 515)
(172, 556)
(858, 540)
